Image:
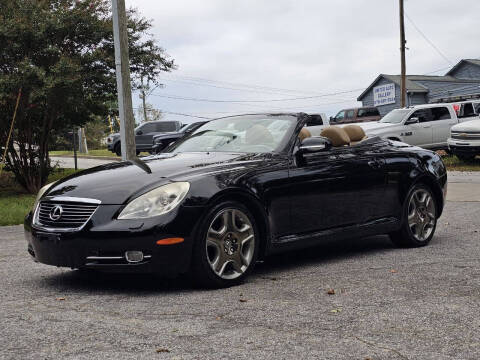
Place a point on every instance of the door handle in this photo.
(427, 126)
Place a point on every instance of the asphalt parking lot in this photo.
(388, 304)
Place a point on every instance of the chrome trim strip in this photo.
(113, 257)
(105, 258)
(72, 199)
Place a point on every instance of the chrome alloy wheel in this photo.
(421, 214)
(230, 243)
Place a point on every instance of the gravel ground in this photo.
(388, 304)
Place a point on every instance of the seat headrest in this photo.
(354, 132)
(337, 135)
(303, 134)
(258, 134)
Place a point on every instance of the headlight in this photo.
(40, 194)
(156, 202)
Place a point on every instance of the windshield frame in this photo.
(283, 146)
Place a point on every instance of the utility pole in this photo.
(127, 123)
(143, 95)
(403, 89)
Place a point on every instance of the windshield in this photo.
(395, 116)
(249, 133)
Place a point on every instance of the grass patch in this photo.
(453, 163)
(15, 203)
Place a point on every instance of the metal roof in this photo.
(414, 87)
(471, 61)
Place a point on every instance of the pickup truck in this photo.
(427, 125)
(356, 115)
(144, 134)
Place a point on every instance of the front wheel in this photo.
(419, 218)
(226, 247)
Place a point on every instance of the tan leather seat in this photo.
(303, 134)
(355, 133)
(258, 135)
(336, 135)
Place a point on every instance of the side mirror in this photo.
(413, 120)
(314, 144)
(139, 132)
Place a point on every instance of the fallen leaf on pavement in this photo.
(331, 292)
(60, 298)
(162, 350)
(393, 271)
(336, 311)
(243, 300)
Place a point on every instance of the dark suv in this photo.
(356, 115)
(144, 134)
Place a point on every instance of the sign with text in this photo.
(384, 94)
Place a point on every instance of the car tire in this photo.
(225, 251)
(118, 149)
(419, 218)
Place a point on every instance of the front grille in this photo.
(463, 135)
(68, 215)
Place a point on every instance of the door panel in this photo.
(420, 133)
(335, 189)
(145, 139)
(443, 121)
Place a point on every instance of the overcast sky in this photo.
(258, 50)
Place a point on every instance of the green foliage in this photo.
(14, 202)
(60, 54)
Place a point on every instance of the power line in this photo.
(187, 115)
(188, 82)
(178, 97)
(428, 40)
(249, 86)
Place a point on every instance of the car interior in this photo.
(339, 136)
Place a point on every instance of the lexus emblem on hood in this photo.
(56, 213)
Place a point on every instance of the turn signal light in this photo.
(170, 241)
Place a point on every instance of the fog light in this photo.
(134, 256)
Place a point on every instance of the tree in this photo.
(149, 113)
(60, 54)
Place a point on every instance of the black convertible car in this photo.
(233, 191)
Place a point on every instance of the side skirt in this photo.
(299, 241)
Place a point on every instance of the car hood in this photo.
(167, 135)
(116, 182)
(472, 125)
(375, 126)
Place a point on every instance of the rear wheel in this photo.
(420, 218)
(226, 247)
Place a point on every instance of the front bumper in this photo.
(470, 147)
(102, 244)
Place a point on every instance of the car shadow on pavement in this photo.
(108, 283)
(336, 250)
